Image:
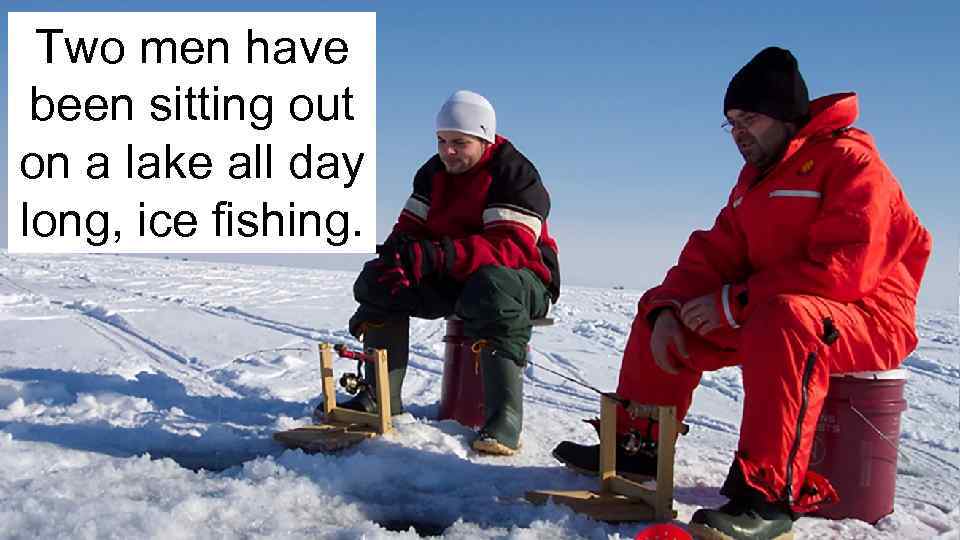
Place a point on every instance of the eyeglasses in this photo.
(744, 122)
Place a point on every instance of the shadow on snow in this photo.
(212, 432)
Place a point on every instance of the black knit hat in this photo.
(769, 84)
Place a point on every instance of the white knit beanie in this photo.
(470, 113)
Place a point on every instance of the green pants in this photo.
(496, 304)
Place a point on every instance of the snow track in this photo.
(134, 378)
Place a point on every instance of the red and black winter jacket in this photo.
(495, 213)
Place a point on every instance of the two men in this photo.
(811, 268)
(471, 241)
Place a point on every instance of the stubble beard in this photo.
(455, 167)
(764, 155)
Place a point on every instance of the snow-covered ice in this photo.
(138, 398)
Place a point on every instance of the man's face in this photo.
(459, 152)
(759, 138)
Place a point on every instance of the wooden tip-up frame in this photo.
(343, 427)
(379, 421)
(620, 498)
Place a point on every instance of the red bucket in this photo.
(461, 395)
(857, 441)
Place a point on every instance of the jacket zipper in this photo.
(804, 399)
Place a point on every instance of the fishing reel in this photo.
(636, 443)
(354, 383)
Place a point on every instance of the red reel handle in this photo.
(344, 352)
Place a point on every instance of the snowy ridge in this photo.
(138, 398)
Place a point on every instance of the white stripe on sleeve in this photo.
(725, 298)
(417, 207)
(498, 214)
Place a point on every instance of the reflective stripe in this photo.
(725, 298)
(499, 214)
(417, 207)
(737, 202)
(806, 193)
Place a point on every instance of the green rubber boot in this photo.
(502, 404)
(394, 336)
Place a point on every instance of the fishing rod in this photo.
(355, 383)
(633, 409)
(622, 401)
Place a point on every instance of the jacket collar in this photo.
(827, 114)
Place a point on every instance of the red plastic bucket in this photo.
(461, 394)
(857, 441)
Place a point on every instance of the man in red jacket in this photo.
(472, 241)
(812, 268)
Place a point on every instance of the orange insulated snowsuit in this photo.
(816, 268)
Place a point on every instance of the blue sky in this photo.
(619, 106)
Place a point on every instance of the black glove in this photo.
(423, 258)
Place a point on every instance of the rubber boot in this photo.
(747, 516)
(743, 520)
(502, 404)
(636, 453)
(585, 459)
(394, 336)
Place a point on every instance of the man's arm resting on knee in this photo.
(708, 260)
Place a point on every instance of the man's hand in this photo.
(702, 315)
(392, 274)
(422, 258)
(667, 332)
(638, 410)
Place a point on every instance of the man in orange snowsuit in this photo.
(812, 268)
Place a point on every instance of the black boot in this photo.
(743, 520)
(394, 336)
(585, 459)
(502, 404)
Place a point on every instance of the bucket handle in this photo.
(880, 433)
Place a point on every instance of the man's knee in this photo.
(786, 326)
(782, 311)
(490, 279)
(486, 293)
